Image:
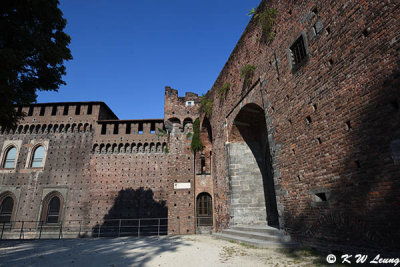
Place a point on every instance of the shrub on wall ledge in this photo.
(223, 90)
(247, 74)
(196, 144)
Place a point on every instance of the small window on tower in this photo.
(189, 103)
(298, 53)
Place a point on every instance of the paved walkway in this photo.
(192, 250)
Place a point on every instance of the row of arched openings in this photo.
(10, 157)
(49, 128)
(51, 209)
(130, 148)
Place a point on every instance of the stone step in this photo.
(256, 242)
(275, 236)
(257, 228)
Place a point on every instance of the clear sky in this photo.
(126, 51)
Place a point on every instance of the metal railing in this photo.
(104, 228)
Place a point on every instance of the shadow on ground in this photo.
(129, 206)
(124, 251)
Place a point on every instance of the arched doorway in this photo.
(6, 209)
(204, 210)
(253, 200)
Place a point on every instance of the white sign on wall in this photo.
(181, 185)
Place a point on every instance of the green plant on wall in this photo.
(196, 144)
(161, 132)
(206, 105)
(223, 90)
(247, 74)
(166, 150)
(266, 20)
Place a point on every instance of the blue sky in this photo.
(126, 51)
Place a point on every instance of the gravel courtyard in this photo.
(192, 250)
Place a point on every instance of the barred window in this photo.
(298, 53)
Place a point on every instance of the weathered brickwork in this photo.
(330, 124)
(102, 168)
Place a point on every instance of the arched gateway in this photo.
(253, 200)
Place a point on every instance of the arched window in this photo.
(6, 209)
(9, 160)
(37, 159)
(53, 210)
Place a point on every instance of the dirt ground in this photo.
(191, 250)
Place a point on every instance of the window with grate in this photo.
(204, 210)
(298, 53)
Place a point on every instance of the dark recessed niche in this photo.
(394, 104)
(299, 178)
(331, 62)
(320, 197)
(308, 119)
(315, 10)
(319, 140)
(357, 164)
(348, 125)
(366, 32)
(328, 30)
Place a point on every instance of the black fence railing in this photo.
(105, 228)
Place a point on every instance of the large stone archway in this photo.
(253, 199)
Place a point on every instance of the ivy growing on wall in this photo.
(223, 90)
(196, 144)
(206, 104)
(266, 20)
(247, 74)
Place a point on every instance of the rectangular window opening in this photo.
(89, 109)
(153, 128)
(42, 110)
(140, 129)
(66, 107)
(128, 128)
(30, 111)
(54, 111)
(78, 110)
(103, 128)
(115, 128)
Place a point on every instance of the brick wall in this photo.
(330, 124)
